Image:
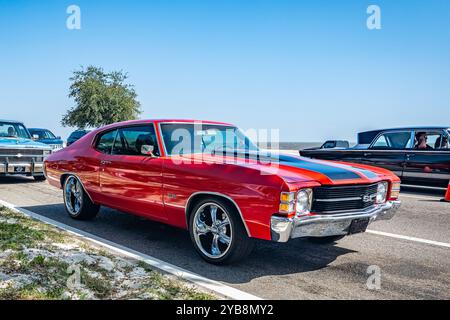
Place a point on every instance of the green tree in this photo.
(100, 98)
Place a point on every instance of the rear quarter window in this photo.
(105, 141)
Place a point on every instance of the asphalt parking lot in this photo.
(412, 251)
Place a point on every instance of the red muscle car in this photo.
(209, 178)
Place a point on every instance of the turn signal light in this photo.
(287, 202)
(395, 190)
(286, 207)
(287, 197)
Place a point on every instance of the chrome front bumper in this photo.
(28, 169)
(283, 229)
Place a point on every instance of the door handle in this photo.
(366, 154)
(105, 162)
(409, 156)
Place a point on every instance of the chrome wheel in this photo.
(212, 230)
(73, 196)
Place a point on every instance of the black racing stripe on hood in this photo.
(365, 172)
(332, 172)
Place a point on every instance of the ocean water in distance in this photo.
(296, 145)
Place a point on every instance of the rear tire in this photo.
(39, 178)
(325, 240)
(218, 233)
(76, 201)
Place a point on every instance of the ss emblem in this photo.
(368, 198)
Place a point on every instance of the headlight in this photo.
(298, 202)
(304, 200)
(382, 192)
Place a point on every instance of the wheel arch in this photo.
(197, 196)
(64, 177)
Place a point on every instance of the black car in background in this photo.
(420, 156)
(331, 144)
(76, 135)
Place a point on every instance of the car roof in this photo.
(79, 132)
(411, 128)
(157, 121)
(39, 129)
(366, 137)
(11, 121)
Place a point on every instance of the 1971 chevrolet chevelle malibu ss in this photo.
(211, 179)
(19, 154)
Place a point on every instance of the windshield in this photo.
(78, 134)
(187, 138)
(42, 134)
(13, 130)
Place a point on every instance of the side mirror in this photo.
(58, 137)
(148, 150)
(35, 137)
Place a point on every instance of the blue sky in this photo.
(309, 68)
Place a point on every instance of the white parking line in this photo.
(398, 236)
(212, 285)
(402, 195)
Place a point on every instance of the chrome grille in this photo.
(12, 156)
(329, 199)
(7, 152)
(55, 146)
(21, 159)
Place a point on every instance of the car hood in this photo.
(51, 141)
(296, 169)
(21, 143)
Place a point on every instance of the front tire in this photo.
(217, 232)
(76, 201)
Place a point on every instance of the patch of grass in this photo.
(165, 288)
(100, 286)
(16, 236)
(7, 213)
(14, 263)
(26, 232)
(144, 266)
(49, 282)
(127, 268)
(31, 292)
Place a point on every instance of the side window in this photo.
(393, 140)
(49, 135)
(381, 142)
(445, 143)
(430, 141)
(130, 140)
(328, 145)
(105, 141)
(434, 141)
